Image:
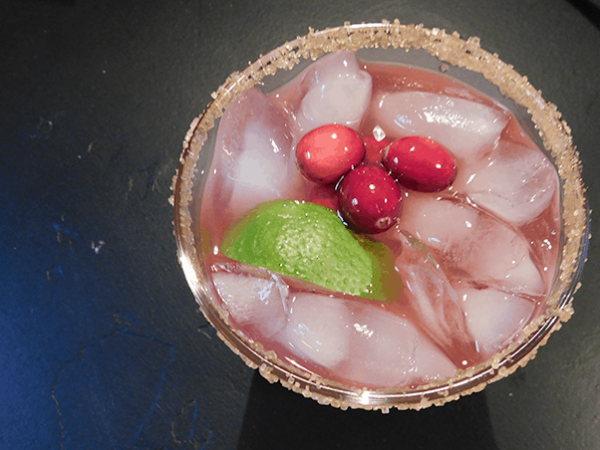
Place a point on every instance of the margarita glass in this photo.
(415, 46)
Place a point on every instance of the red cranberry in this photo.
(374, 149)
(420, 164)
(326, 153)
(370, 200)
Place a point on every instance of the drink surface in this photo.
(473, 263)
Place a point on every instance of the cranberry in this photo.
(374, 149)
(420, 164)
(326, 153)
(370, 200)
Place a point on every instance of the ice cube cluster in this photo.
(371, 347)
(470, 267)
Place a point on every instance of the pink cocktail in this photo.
(482, 269)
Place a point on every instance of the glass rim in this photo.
(450, 49)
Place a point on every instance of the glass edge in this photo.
(467, 54)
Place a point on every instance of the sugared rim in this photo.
(448, 48)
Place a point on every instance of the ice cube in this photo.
(470, 244)
(254, 303)
(252, 153)
(436, 222)
(433, 298)
(495, 318)
(387, 350)
(466, 128)
(338, 92)
(318, 329)
(516, 183)
(505, 258)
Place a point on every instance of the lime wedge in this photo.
(309, 241)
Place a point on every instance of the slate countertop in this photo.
(101, 343)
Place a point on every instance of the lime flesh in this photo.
(310, 242)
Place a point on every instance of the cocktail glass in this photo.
(432, 49)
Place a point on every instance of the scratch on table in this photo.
(206, 330)
(54, 273)
(101, 367)
(72, 235)
(163, 376)
(45, 125)
(209, 439)
(184, 423)
(97, 248)
(60, 423)
(53, 395)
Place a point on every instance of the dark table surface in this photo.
(102, 345)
